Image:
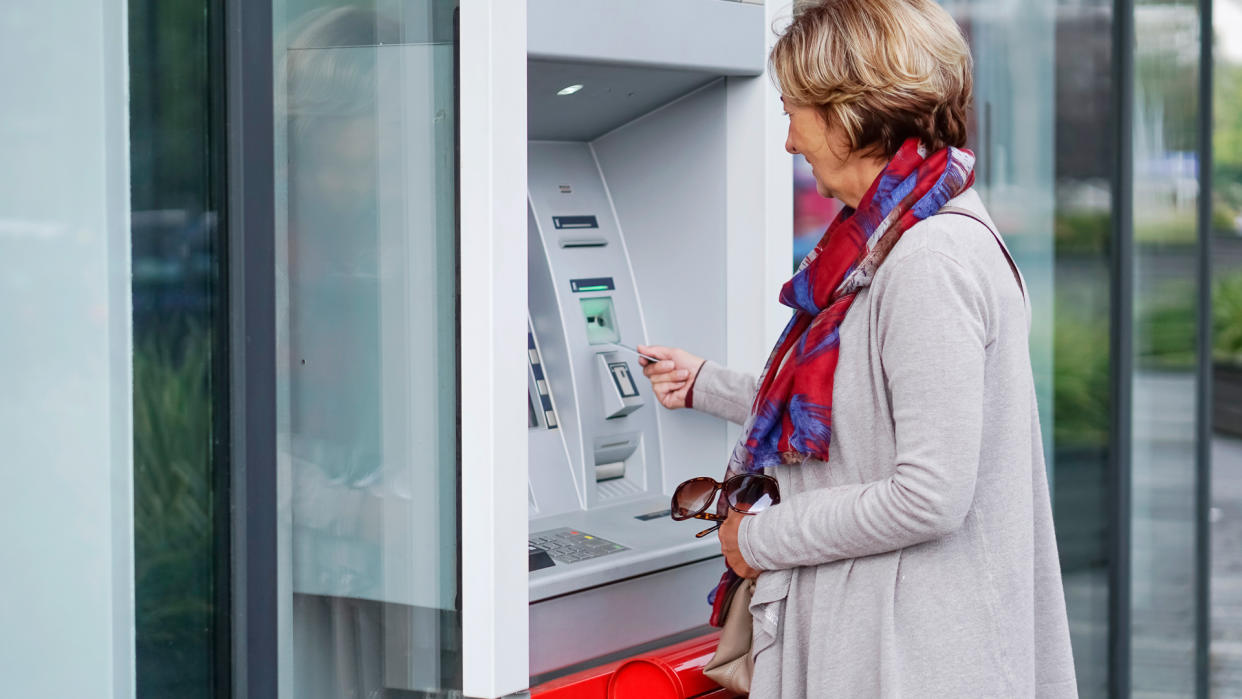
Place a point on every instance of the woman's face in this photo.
(823, 147)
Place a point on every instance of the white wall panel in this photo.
(66, 598)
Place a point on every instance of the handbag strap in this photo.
(1013, 266)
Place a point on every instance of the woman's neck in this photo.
(858, 176)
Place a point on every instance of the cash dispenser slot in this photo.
(611, 453)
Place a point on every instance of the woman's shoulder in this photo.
(950, 259)
(941, 258)
(954, 236)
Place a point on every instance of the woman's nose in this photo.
(789, 147)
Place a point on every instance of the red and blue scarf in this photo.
(791, 417)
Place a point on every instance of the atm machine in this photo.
(599, 495)
(628, 210)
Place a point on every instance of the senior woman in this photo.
(912, 553)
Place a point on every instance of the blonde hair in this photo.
(884, 70)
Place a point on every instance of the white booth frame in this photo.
(492, 206)
(492, 197)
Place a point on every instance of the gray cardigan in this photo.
(919, 561)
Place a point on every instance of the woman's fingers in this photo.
(657, 351)
(666, 393)
(667, 386)
(653, 369)
(670, 376)
(662, 353)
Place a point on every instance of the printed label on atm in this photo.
(624, 380)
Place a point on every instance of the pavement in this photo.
(1226, 650)
(1163, 558)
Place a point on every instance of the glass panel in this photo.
(1082, 301)
(1226, 514)
(1013, 126)
(180, 505)
(1165, 181)
(1043, 76)
(367, 347)
(812, 213)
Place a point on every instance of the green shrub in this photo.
(1081, 395)
(174, 555)
(1224, 215)
(1082, 232)
(1227, 319)
(1165, 331)
(1178, 230)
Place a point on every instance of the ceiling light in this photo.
(569, 90)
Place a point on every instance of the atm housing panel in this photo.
(631, 223)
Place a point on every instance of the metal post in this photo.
(1203, 422)
(252, 313)
(221, 367)
(1122, 349)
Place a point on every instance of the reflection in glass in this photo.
(1163, 427)
(1042, 131)
(366, 347)
(1226, 255)
(1083, 308)
(1013, 129)
(1042, 127)
(812, 212)
(180, 536)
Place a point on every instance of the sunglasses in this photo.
(747, 493)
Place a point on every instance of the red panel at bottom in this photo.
(672, 672)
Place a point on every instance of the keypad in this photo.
(567, 545)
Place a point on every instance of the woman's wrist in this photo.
(690, 388)
(744, 547)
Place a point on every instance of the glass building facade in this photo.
(366, 346)
(132, 242)
(1224, 247)
(1103, 164)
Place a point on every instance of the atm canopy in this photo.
(630, 57)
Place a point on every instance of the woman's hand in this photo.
(672, 376)
(728, 545)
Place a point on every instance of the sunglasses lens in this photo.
(692, 497)
(752, 493)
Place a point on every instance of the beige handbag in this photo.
(732, 665)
